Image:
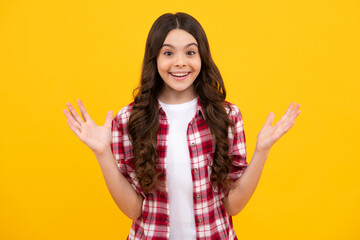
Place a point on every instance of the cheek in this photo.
(197, 64)
(163, 66)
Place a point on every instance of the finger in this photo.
(294, 113)
(108, 119)
(288, 111)
(286, 114)
(270, 119)
(71, 119)
(294, 116)
(283, 131)
(83, 110)
(285, 125)
(71, 124)
(291, 120)
(74, 114)
(288, 126)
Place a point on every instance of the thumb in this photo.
(270, 119)
(108, 119)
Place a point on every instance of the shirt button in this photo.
(192, 144)
(197, 195)
(195, 169)
(200, 221)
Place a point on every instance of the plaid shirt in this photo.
(211, 220)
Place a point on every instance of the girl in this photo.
(174, 160)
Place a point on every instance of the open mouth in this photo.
(179, 74)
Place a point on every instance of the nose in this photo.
(180, 60)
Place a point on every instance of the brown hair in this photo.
(144, 122)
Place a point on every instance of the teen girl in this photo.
(180, 147)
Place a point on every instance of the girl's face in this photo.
(179, 64)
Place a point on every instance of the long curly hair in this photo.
(144, 122)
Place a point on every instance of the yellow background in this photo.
(269, 53)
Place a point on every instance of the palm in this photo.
(270, 134)
(97, 138)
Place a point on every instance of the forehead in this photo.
(179, 38)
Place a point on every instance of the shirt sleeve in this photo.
(121, 149)
(237, 147)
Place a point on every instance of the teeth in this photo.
(179, 74)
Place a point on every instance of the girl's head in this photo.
(178, 64)
(192, 52)
(177, 44)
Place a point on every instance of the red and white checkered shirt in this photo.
(211, 220)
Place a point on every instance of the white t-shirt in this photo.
(178, 171)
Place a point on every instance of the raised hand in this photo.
(97, 138)
(270, 134)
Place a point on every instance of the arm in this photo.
(125, 197)
(245, 186)
(98, 139)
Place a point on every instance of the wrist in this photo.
(262, 151)
(103, 152)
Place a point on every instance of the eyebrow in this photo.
(169, 45)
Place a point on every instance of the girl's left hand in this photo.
(269, 134)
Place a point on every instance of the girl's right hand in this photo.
(97, 138)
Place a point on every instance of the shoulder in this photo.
(122, 117)
(233, 111)
(235, 116)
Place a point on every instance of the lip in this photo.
(179, 78)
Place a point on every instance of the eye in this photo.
(190, 52)
(167, 53)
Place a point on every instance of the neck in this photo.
(173, 97)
